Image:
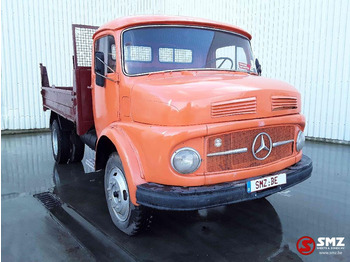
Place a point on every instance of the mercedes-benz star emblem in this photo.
(265, 146)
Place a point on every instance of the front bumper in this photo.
(193, 198)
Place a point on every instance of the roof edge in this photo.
(131, 21)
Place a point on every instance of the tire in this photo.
(77, 148)
(60, 143)
(127, 217)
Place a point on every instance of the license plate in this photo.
(266, 182)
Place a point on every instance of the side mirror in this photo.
(258, 66)
(100, 69)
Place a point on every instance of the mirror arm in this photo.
(105, 65)
(110, 79)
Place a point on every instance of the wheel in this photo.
(60, 143)
(127, 217)
(77, 148)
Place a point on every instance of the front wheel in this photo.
(125, 215)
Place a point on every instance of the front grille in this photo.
(283, 103)
(236, 149)
(234, 107)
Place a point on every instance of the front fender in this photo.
(128, 154)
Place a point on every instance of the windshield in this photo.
(162, 48)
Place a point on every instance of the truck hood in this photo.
(190, 98)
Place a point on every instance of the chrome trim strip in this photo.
(281, 143)
(244, 149)
(229, 152)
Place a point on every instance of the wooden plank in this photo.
(61, 109)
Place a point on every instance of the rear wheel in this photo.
(60, 143)
(125, 215)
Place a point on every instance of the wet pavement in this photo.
(76, 226)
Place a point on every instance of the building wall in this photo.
(303, 42)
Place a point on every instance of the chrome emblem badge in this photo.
(217, 142)
(264, 142)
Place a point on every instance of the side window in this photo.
(112, 55)
(106, 45)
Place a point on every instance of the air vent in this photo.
(283, 103)
(234, 107)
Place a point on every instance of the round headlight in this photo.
(185, 160)
(300, 141)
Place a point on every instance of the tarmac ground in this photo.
(72, 223)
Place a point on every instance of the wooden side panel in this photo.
(60, 100)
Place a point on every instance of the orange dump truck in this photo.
(178, 115)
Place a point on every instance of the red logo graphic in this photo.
(306, 245)
(244, 66)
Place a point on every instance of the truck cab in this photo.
(180, 118)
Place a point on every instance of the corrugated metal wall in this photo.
(303, 42)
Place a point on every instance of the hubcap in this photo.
(118, 194)
(54, 141)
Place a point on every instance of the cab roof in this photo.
(131, 21)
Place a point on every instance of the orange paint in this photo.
(149, 117)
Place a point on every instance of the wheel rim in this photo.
(118, 194)
(54, 141)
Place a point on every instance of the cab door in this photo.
(105, 83)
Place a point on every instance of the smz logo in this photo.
(306, 245)
(330, 241)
